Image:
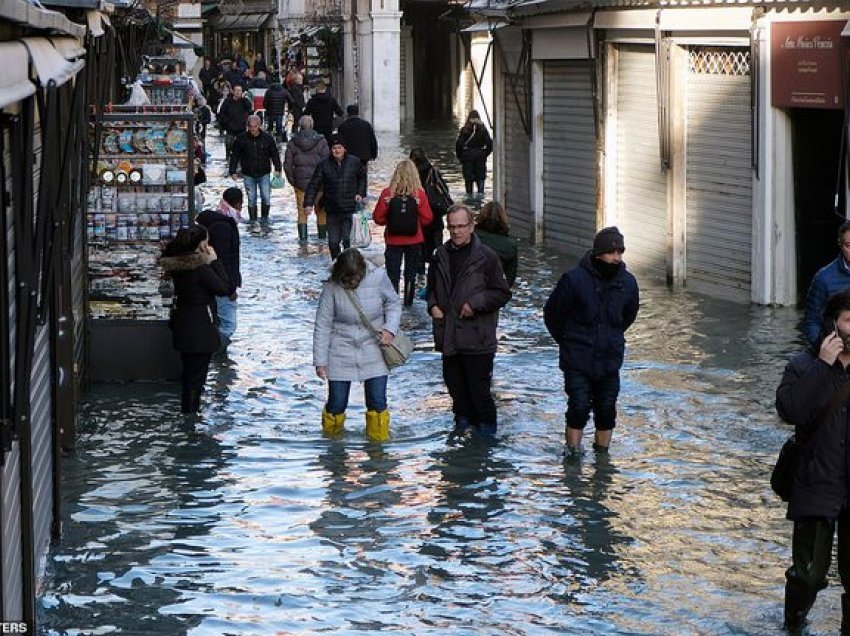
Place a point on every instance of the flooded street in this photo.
(247, 521)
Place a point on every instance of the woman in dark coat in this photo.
(491, 226)
(821, 487)
(198, 278)
(472, 148)
(437, 191)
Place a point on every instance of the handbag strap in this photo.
(840, 395)
(354, 301)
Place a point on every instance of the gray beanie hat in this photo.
(607, 240)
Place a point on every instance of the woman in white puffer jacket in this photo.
(345, 350)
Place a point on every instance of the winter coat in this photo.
(305, 150)
(482, 284)
(256, 154)
(198, 279)
(235, 78)
(339, 182)
(341, 342)
(297, 92)
(473, 142)
(381, 217)
(359, 138)
(505, 247)
(276, 99)
(224, 238)
(830, 279)
(322, 107)
(437, 182)
(233, 114)
(820, 487)
(588, 315)
(207, 77)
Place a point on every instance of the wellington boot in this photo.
(302, 233)
(332, 423)
(252, 212)
(264, 211)
(378, 425)
(323, 231)
(798, 602)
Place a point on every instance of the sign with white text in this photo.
(806, 64)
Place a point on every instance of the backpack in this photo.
(403, 216)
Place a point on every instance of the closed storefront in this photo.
(569, 155)
(641, 184)
(719, 176)
(517, 187)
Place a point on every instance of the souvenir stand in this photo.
(142, 193)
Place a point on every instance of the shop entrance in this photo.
(817, 142)
(434, 40)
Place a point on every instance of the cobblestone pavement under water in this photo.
(247, 521)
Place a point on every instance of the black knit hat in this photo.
(607, 240)
(336, 140)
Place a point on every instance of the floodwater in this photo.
(246, 521)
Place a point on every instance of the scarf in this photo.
(227, 210)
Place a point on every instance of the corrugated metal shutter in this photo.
(569, 156)
(402, 75)
(41, 427)
(641, 184)
(517, 160)
(10, 489)
(719, 176)
(79, 282)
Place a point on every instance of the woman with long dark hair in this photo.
(198, 278)
(491, 226)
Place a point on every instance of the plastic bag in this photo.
(361, 234)
(277, 181)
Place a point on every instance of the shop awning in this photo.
(15, 84)
(180, 41)
(49, 64)
(69, 48)
(240, 22)
(485, 26)
(96, 20)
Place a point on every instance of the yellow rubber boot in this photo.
(378, 425)
(332, 423)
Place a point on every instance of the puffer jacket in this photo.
(233, 114)
(481, 283)
(340, 182)
(276, 99)
(588, 315)
(255, 154)
(820, 487)
(341, 342)
(473, 142)
(198, 279)
(306, 150)
(381, 217)
(830, 279)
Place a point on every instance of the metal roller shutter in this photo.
(719, 177)
(641, 184)
(517, 154)
(569, 156)
(41, 426)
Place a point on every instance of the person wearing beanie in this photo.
(359, 136)
(588, 314)
(342, 181)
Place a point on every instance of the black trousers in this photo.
(393, 255)
(811, 553)
(195, 369)
(468, 378)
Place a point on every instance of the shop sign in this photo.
(806, 64)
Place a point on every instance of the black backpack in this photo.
(403, 216)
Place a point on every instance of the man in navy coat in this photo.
(588, 314)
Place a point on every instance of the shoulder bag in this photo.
(782, 477)
(398, 351)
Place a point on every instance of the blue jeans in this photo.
(226, 317)
(586, 394)
(374, 390)
(275, 123)
(265, 185)
(339, 231)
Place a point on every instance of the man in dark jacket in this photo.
(224, 238)
(207, 76)
(821, 487)
(233, 117)
(588, 314)
(256, 151)
(306, 150)
(466, 289)
(359, 136)
(830, 279)
(322, 107)
(275, 102)
(235, 76)
(342, 182)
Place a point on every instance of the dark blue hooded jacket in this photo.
(829, 280)
(588, 315)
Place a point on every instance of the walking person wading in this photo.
(256, 151)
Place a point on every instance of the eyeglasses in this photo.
(459, 226)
